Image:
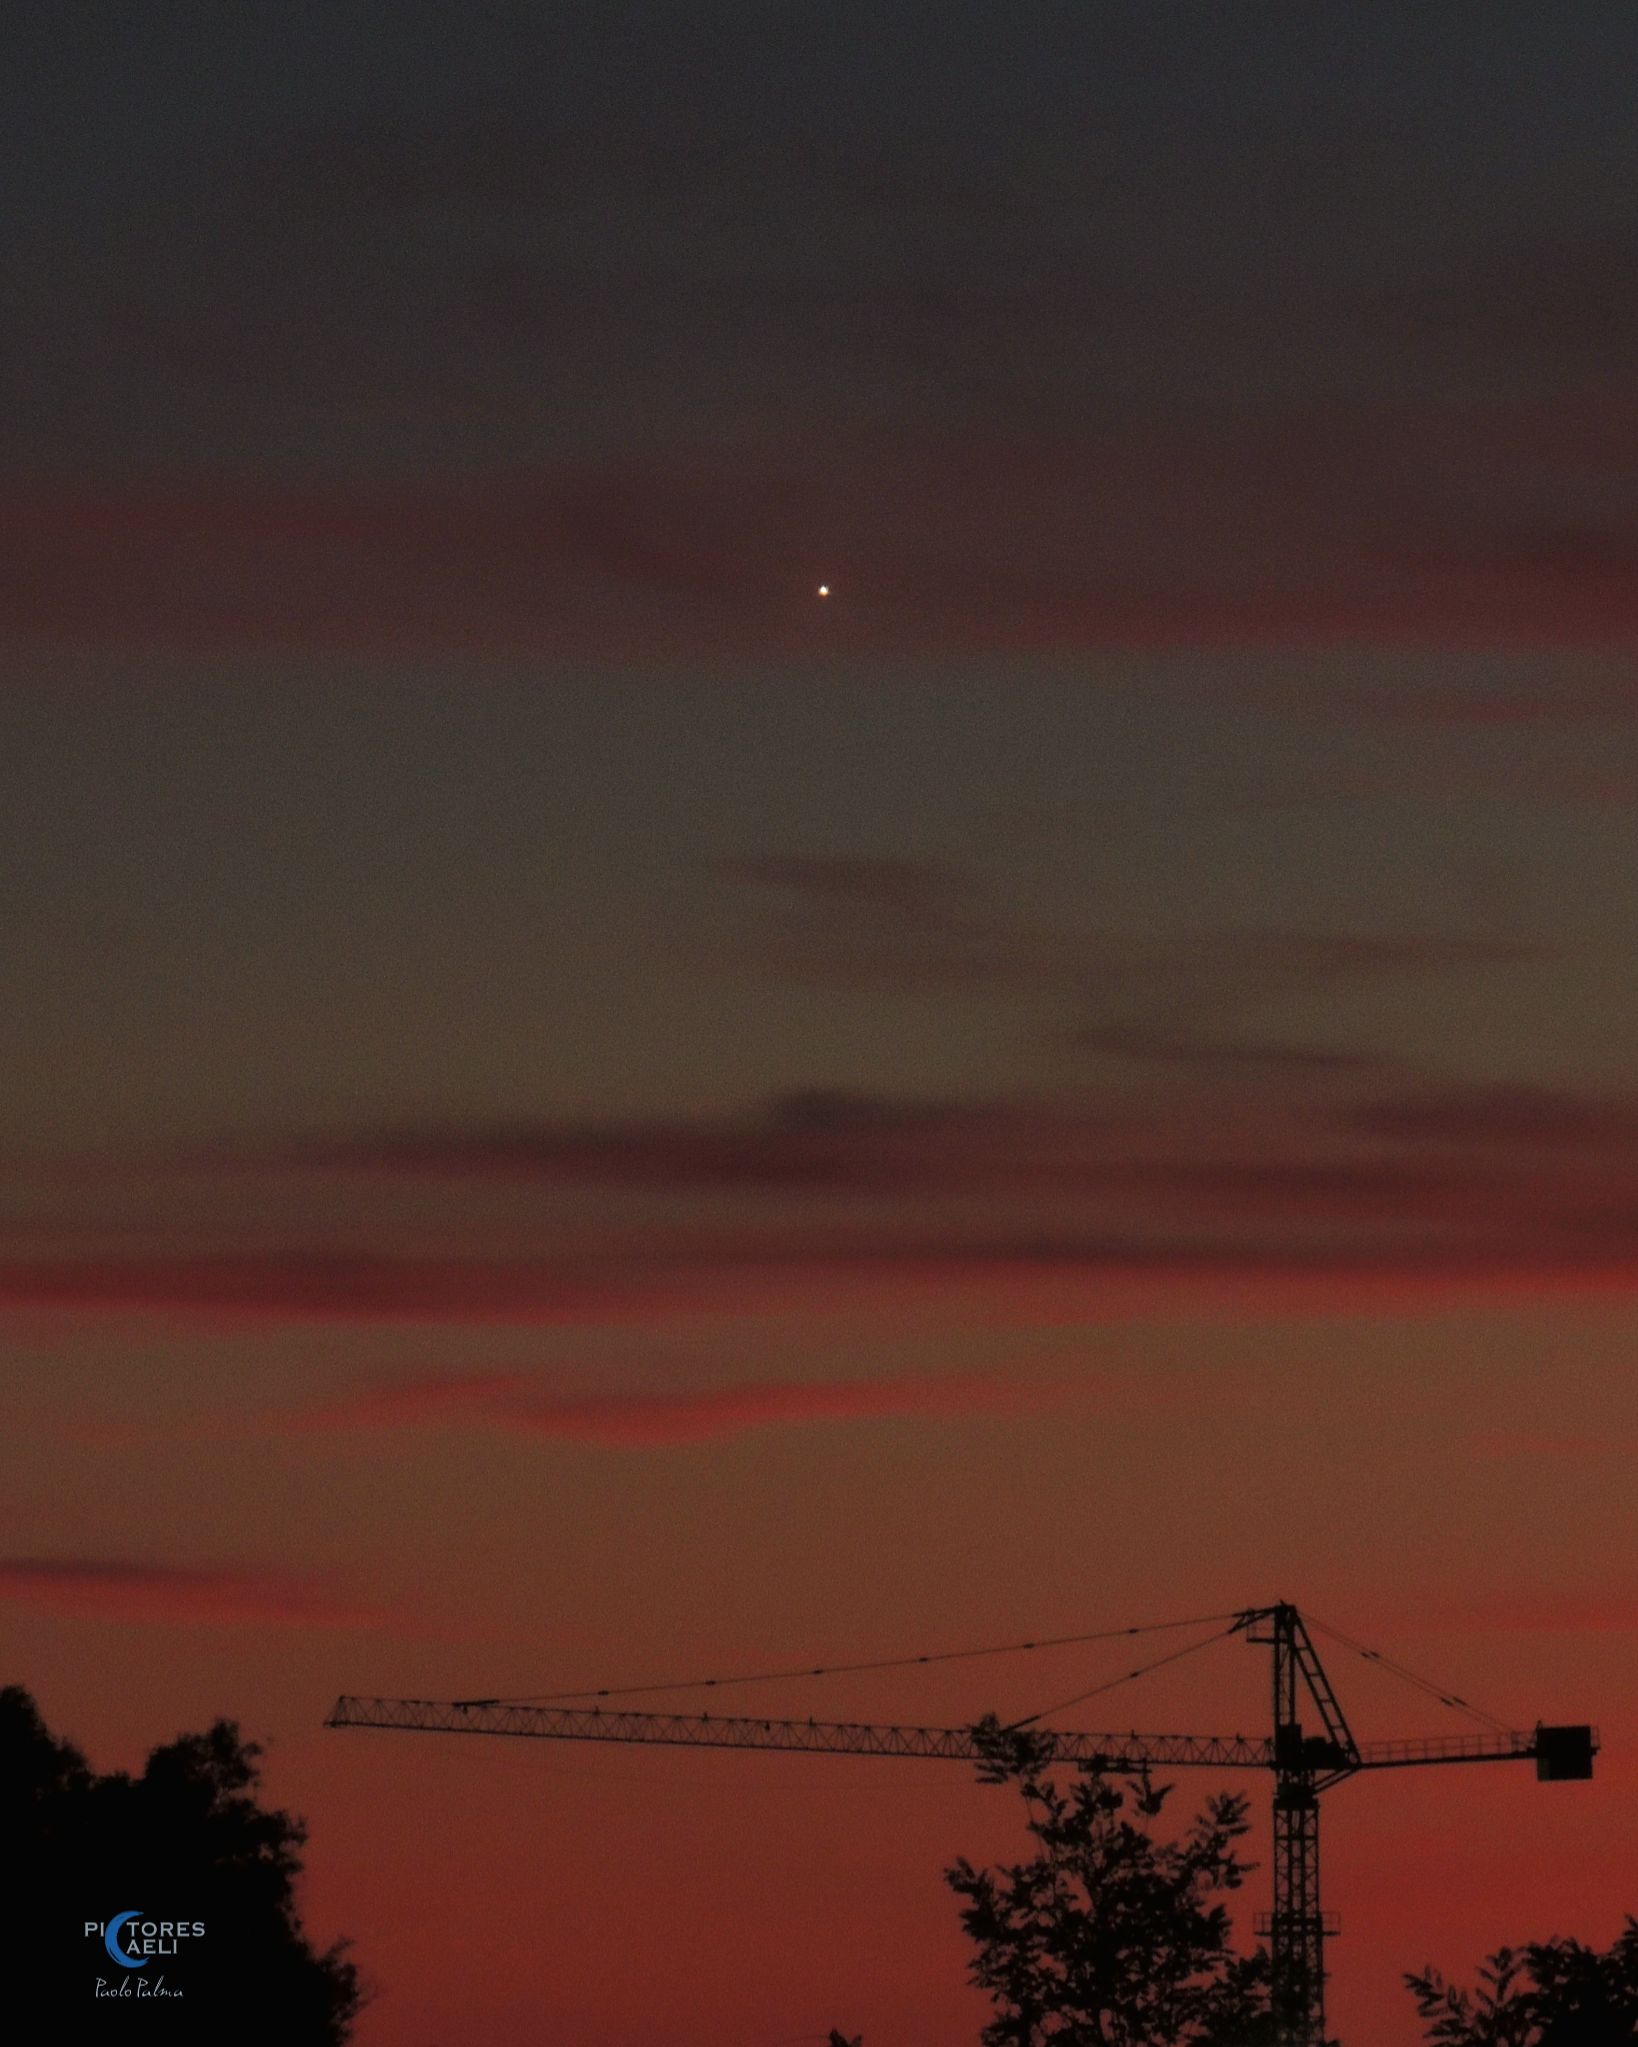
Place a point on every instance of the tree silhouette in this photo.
(1553, 1993)
(1107, 1936)
(187, 1840)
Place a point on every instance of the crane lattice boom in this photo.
(1117, 1752)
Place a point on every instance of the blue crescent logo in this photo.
(111, 1938)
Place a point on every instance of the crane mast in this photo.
(1306, 1758)
(1297, 1927)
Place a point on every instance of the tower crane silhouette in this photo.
(1305, 1758)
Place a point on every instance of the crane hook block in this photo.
(1564, 1754)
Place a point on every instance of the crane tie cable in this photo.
(1143, 1670)
(1411, 1677)
(684, 1684)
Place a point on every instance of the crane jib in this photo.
(1560, 1753)
(810, 1737)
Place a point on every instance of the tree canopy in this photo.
(1107, 1935)
(186, 1841)
(1551, 1993)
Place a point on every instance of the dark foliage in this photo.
(1553, 1993)
(1108, 1937)
(187, 1840)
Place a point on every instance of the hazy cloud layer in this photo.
(1063, 1209)
(1084, 354)
(692, 555)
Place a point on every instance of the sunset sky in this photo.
(576, 1113)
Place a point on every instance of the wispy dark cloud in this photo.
(1173, 1045)
(920, 893)
(816, 1140)
(936, 927)
(1404, 1252)
(1520, 1118)
(1572, 701)
(994, 1157)
(920, 925)
(346, 1285)
(1306, 958)
(517, 1404)
(172, 1595)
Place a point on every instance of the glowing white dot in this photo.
(824, 589)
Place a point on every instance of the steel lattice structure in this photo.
(1305, 1761)
(1117, 1752)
